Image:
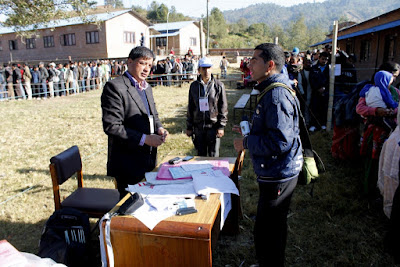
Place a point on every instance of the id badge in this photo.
(203, 103)
(151, 121)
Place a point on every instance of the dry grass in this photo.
(334, 227)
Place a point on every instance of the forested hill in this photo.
(315, 14)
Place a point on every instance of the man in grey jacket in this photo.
(207, 111)
(130, 119)
(44, 74)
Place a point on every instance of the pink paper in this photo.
(164, 174)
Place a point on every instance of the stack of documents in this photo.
(181, 183)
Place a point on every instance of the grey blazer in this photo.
(125, 120)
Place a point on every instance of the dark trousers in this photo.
(122, 183)
(270, 229)
(206, 142)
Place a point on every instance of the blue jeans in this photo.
(44, 89)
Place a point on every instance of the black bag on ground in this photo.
(65, 238)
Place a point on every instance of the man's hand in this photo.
(382, 112)
(220, 133)
(321, 90)
(189, 132)
(163, 133)
(238, 144)
(154, 140)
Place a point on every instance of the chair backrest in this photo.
(62, 167)
(239, 162)
(67, 163)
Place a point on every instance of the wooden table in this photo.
(176, 241)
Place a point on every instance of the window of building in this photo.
(389, 52)
(67, 39)
(12, 44)
(30, 43)
(350, 46)
(48, 41)
(92, 37)
(161, 41)
(129, 37)
(193, 41)
(365, 51)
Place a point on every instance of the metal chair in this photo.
(93, 201)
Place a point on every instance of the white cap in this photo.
(205, 62)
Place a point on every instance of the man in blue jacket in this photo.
(275, 149)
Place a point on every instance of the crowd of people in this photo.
(364, 118)
(24, 81)
(174, 68)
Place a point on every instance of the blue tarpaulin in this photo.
(378, 28)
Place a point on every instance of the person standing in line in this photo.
(207, 112)
(17, 81)
(44, 74)
(50, 79)
(9, 79)
(3, 92)
(36, 81)
(61, 79)
(27, 80)
(276, 152)
(130, 119)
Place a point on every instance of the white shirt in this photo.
(373, 98)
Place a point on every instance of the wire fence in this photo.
(45, 89)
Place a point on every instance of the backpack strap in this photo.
(304, 135)
(272, 86)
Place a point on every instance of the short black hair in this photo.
(141, 51)
(324, 54)
(390, 66)
(272, 52)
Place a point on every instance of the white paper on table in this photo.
(195, 167)
(226, 206)
(205, 183)
(338, 69)
(150, 217)
(151, 177)
(170, 190)
(160, 203)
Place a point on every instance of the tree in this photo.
(157, 13)
(218, 26)
(141, 11)
(298, 34)
(175, 16)
(114, 3)
(277, 31)
(26, 16)
(243, 24)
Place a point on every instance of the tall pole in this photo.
(208, 30)
(276, 40)
(201, 38)
(332, 77)
(166, 49)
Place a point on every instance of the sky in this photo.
(195, 8)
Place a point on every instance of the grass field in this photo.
(334, 226)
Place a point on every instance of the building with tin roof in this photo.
(115, 34)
